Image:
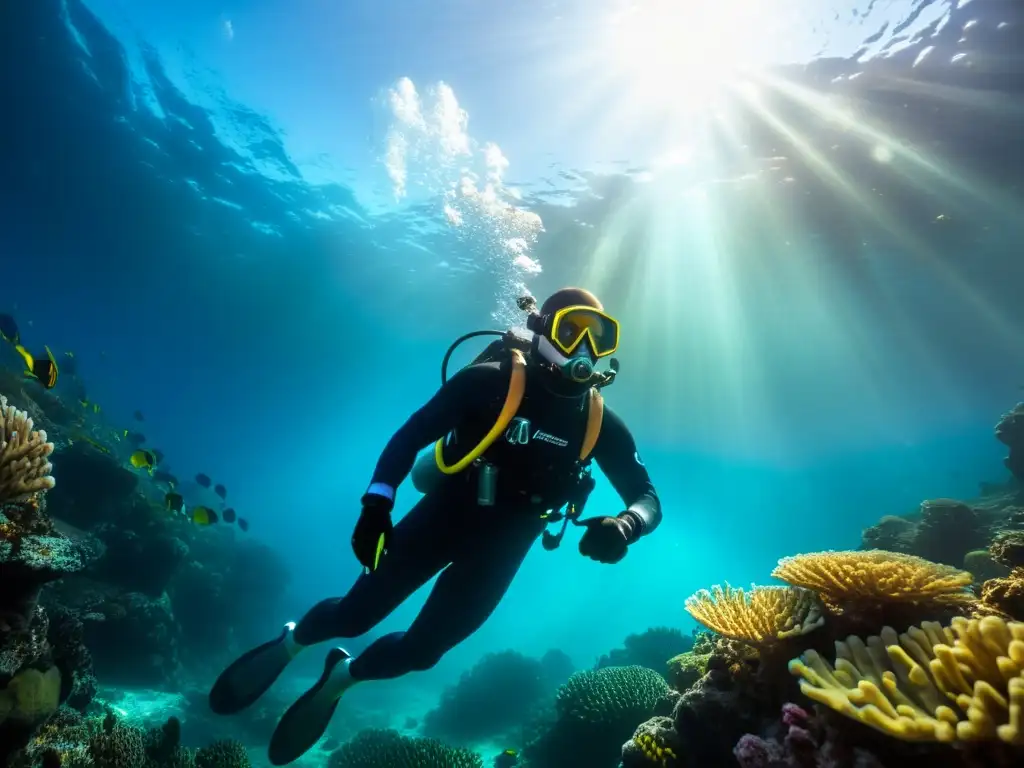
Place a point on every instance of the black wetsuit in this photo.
(477, 549)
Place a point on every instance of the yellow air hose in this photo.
(516, 388)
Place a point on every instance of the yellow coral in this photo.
(842, 578)
(964, 682)
(654, 750)
(24, 455)
(763, 615)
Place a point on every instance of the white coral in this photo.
(24, 455)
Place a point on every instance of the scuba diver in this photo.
(514, 435)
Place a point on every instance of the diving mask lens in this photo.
(572, 325)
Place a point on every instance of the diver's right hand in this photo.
(372, 535)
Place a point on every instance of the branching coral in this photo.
(763, 615)
(932, 683)
(842, 579)
(24, 455)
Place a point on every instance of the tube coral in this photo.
(24, 455)
(959, 683)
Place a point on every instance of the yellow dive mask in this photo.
(571, 325)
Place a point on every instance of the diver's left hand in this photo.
(606, 539)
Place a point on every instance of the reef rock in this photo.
(133, 637)
(139, 562)
(94, 488)
(1010, 432)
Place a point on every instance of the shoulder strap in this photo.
(595, 416)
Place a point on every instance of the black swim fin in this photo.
(305, 722)
(241, 684)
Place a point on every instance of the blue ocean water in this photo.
(261, 224)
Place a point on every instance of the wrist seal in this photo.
(634, 524)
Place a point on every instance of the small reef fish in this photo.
(203, 516)
(138, 416)
(43, 370)
(230, 516)
(86, 439)
(220, 490)
(174, 501)
(507, 759)
(203, 480)
(143, 459)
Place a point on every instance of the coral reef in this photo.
(383, 748)
(903, 685)
(470, 711)
(104, 741)
(652, 649)
(41, 664)
(595, 712)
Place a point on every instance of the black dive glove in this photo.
(607, 538)
(372, 535)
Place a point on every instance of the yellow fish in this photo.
(43, 371)
(203, 516)
(143, 459)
